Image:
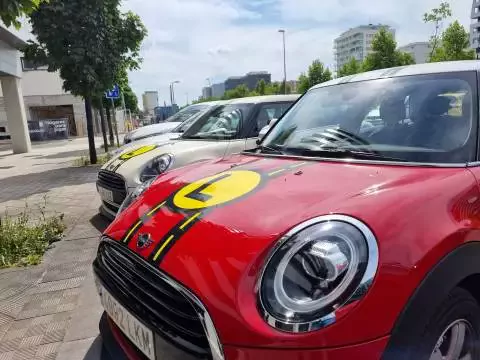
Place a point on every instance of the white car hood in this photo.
(181, 150)
(152, 129)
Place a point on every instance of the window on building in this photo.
(3, 129)
(29, 65)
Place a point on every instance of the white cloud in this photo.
(191, 40)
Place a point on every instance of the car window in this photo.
(266, 113)
(223, 123)
(186, 113)
(417, 118)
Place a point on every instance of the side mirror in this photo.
(262, 132)
(272, 122)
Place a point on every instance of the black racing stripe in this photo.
(146, 217)
(173, 236)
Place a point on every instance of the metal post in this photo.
(284, 62)
(115, 125)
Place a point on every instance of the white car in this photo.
(170, 135)
(227, 129)
(168, 125)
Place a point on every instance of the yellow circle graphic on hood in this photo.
(137, 152)
(217, 189)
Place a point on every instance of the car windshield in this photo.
(426, 118)
(187, 113)
(187, 123)
(223, 123)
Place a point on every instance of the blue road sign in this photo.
(113, 94)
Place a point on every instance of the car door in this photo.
(263, 116)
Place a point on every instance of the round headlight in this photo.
(317, 268)
(156, 167)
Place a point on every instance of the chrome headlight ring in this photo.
(156, 166)
(315, 269)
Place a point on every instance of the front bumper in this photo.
(117, 347)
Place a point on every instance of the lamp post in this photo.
(282, 31)
(172, 91)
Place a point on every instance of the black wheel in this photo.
(452, 333)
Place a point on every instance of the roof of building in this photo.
(266, 98)
(417, 43)
(11, 39)
(366, 27)
(419, 69)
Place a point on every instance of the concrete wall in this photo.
(9, 60)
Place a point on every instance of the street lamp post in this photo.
(282, 31)
(172, 91)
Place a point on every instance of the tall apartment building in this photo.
(218, 90)
(475, 26)
(251, 80)
(356, 43)
(150, 101)
(419, 50)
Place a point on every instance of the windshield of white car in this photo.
(422, 119)
(223, 123)
(187, 113)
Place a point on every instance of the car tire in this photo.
(458, 313)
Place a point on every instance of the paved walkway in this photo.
(51, 311)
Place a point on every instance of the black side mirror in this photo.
(259, 141)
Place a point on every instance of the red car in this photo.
(331, 240)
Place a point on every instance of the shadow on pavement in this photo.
(22, 186)
(95, 351)
(67, 154)
(99, 222)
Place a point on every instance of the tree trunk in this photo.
(110, 127)
(91, 135)
(103, 127)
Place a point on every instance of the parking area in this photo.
(51, 311)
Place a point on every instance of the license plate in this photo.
(138, 333)
(105, 194)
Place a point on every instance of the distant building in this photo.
(164, 112)
(150, 101)
(356, 43)
(207, 92)
(475, 26)
(419, 50)
(218, 90)
(251, 80)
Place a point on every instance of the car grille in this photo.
(114, 182)
(151, 298)
(110, 207)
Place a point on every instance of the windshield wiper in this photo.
(268, 149)
(345, 153)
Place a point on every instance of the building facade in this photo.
(207, 92)
(419, 50)
(218, 90)
(150, 101)
(251, 80)
(475, 26)
(356, 43)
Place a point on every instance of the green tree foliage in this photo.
(317, 73)
(12, 10)
(239, 92)
(385, 54)
(436, 16)
(261, 87)
(88, 42)
(454, 45)
(352, 67)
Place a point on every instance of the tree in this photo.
(317, 74)
(88, 42)
(261, 87)
(384, 53)
(239, 92)
(437, 16)
(11, 10)
(454, 45)
(352, 67)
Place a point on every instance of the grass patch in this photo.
(24, 239)
(84, 160)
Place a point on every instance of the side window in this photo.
(267, 113)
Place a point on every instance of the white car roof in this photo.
(419, 69)
(262, 99)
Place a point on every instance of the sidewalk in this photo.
(51, 311)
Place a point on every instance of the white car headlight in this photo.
(156, 167)
(129, 200)
(318, 267)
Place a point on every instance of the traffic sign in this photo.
(113, 94)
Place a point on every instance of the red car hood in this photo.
(218, 251)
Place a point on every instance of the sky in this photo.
(192, 40)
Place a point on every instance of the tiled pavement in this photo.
(51, 311)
